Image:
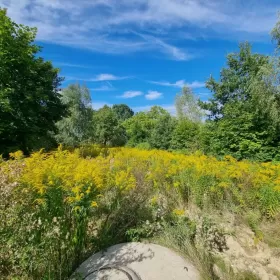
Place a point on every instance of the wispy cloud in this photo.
(131, 94)
(106, 87)
(103, 25)
(195, 84)
(107, 77)
(180, 84)
(172, 51)
(97, 78)
(153, 95)
(65, 64)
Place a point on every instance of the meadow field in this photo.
(58, 207)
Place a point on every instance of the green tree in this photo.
(186, 136)
(76, 127)
(138, 128)
(122, 111)
(241, 112)
(151, 129)
(163, 126)
(30, 103)
(107, 130)
(187, 106)
(276, 31)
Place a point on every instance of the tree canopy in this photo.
(75, 128)
(30, 103)
(107, 129)
(187, 106)
(240, 120)
(151, 127)
(276, 31)
(122, 111)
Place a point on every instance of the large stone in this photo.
(136, 261)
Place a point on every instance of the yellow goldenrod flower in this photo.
(178, 212)
(94, 204)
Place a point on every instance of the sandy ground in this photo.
(137, 261)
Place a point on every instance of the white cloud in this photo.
(131, 94)
(107, 77)
(97, 78)
(153, 95)
(59, 64)
(195, 84)
(180, 84)
(107, 87)
(172, 51)
(103, 25)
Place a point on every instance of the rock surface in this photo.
(136, 261)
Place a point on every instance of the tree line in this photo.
(241, 119)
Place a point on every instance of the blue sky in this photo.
(141, 52)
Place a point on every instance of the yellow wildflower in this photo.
(77, 208)
(154, 200)
(94, 204)
(16, 155)
(179, 212)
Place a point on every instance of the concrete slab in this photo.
(136, 261)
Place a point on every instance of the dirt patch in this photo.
(246, 253)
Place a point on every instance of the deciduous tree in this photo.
(106, 128)
(243, 113)
(187, 106)
(76, 127)
(30, 103)
(122, 111)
